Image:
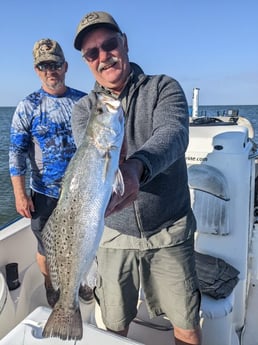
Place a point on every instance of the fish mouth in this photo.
(111, 103)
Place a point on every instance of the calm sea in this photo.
(7, 206)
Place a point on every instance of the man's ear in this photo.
(66, 66)
(36, 70)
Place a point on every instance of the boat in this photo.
(222, 160)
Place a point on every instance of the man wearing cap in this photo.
(41, 132)
(148, 238)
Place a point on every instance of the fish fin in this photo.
(106, 165)
(64, 325)
(118, 185)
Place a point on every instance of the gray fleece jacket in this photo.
(157, 118)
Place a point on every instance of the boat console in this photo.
(221, 179)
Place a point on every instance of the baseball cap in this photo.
(47, 50)
(91, 20)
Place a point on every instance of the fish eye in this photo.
(99, 110)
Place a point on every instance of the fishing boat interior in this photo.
(221, 160)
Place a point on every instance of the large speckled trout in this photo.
(72, 234)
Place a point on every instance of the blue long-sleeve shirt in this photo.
(41, 132)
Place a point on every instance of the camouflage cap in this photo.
(91, 20)
(47, 50)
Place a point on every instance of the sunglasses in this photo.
(107, 46)
(51, 66)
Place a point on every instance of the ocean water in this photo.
(7, 203)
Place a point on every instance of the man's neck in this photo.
(55, 92)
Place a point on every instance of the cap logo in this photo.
(45, 47)
(90, 18)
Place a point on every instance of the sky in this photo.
(209, 44)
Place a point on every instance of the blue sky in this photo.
(210, 44)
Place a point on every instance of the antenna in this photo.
(195, 102)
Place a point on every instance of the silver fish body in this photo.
(72, 234)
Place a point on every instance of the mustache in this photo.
(112, 60)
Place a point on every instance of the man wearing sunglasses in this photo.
(148, 238)
(41, 131)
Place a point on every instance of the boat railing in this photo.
(10, 223)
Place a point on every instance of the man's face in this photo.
(51, 74)
(105, 52)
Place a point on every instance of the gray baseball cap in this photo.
(94, 20)
(47, 50)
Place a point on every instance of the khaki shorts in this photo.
(167, 277)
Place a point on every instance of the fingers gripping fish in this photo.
(72, 234)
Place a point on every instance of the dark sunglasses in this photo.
(107, 46)
(51, 66)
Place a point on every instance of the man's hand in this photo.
(23, 202)
(131, 170)
(24, 205)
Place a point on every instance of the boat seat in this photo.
(7, 310)
(217, 321)
(212, 308)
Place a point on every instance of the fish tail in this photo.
(64, 325)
